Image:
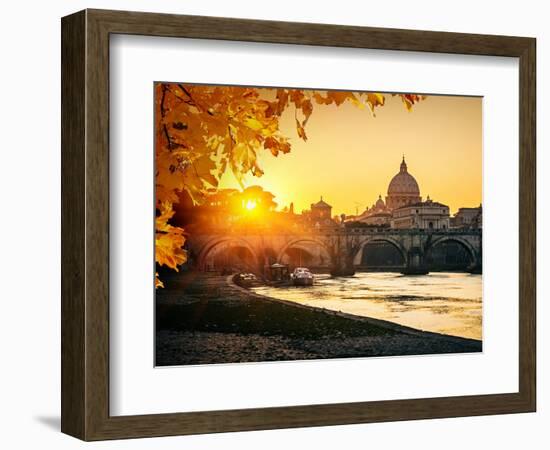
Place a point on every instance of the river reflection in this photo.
(441, 302)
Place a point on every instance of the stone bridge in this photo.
(343, 251)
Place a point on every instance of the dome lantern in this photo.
(403, 167)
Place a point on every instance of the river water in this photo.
(442, 302)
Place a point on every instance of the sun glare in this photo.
(250, 205)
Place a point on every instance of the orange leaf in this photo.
(300, 130)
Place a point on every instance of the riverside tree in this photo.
(203, 131)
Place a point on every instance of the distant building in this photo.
(403, 208)
(320, 214)
(377, 218)
(321, 210)
(468, 218)
(428, 215)
(377, 214)
(403, 189)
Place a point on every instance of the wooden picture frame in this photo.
(85, 224)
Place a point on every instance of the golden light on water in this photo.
(421, 302)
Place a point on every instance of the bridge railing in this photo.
(338, 230)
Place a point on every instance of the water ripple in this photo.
(447, 303)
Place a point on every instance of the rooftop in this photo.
(321, 204)
(428, 202)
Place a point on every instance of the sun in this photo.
(250, 205)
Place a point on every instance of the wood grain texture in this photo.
(85, 224)
(153, 24)
(527, 224)
(73, 109)
(97, 225)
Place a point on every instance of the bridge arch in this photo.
(358, 259)
(213, 243)
(470, 250)
(295, 243)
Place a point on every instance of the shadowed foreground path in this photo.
(202, 319)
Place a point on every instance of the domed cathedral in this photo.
(403, 189)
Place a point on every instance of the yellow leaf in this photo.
(169, 250)
(374, 100)
(253, 123)
(158, 283)
(243, 157)
(257, 172)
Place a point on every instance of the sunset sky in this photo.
(351, 156)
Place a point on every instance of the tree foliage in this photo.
(202, 131)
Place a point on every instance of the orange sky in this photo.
(350, 156)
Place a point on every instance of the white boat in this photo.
(302, 277)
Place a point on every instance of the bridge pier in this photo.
(342, 250)
(416, 264)
(342, 270)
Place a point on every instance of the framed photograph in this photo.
(272, 225)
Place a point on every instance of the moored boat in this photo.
(302, 277)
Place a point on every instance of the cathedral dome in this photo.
(380, 203)
(403, 183)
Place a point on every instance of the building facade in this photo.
(428, 215)
(319, 215)
(378, 219)
(468, 218)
